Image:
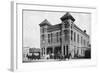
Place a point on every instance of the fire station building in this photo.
(65, 38)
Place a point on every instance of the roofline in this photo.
(81, 30)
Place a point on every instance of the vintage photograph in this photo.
(55, 36)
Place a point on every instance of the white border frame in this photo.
(16, 60)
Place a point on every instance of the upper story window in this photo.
(66, 24)
(84, 42)
(78, 38)
(71, 35)
(74, 36)
(81, 39)
(65, 33)
(87, 43)
(69, 21)
(49, 38)
(43, 37)
(57, 34)
(43, 30)
(66, 21)
(71, 26)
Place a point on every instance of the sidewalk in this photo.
(45, 60)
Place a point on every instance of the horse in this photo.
(30, 57)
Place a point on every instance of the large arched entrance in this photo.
(57, 52)
(49, 50)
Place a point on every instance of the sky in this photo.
(32, 19)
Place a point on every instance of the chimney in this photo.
(84, 31)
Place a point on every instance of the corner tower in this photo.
(43, 35)
(67, 30)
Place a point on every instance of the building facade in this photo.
(64, 38)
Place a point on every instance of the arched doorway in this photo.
(49, 50)
(57, 52)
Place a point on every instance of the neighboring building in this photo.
(25, 52)
(36, 52)
(64, 38)
(31, 53)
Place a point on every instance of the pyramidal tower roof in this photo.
(67, 16)
(45, 22)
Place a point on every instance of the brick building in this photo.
(64, 38)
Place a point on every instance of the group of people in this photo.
(57, 56)
(32, 56)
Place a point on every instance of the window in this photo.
(60, 40)
(84, 42)
(71, 26)
(71, 35)
(57, 36)
(88, 43)
(64, 50)
(43, 30)
(74, 36)
(66, 25)
(44, 50)
(49, 38)
(78, 38)
(81, 39)
(66, 35)
(81, 51)
(43, 36)
(65, 32)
